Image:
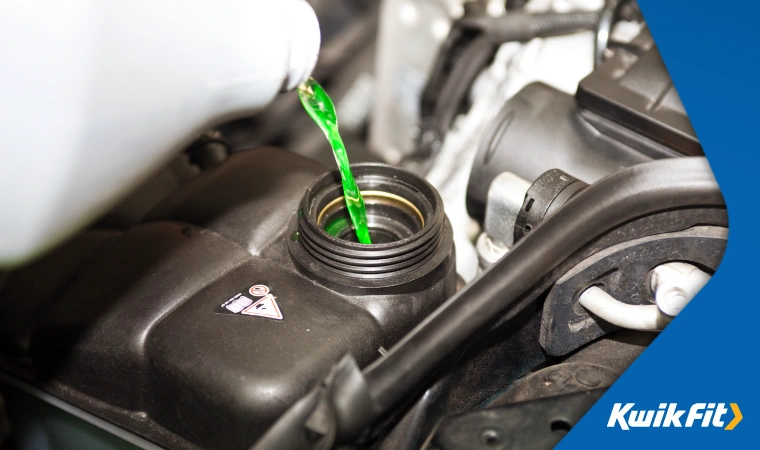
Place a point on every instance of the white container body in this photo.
(96, 95)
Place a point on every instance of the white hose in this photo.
(673, 284)
(633, 317)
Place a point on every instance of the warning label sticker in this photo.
(263, 303)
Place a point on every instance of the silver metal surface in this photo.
(402, 69)
(505, 199)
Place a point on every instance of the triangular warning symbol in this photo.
(266, 307)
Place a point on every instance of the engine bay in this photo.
(539, 205)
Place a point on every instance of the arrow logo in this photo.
(737, 417)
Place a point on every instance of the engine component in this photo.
(674, 284)
(624, 113)
(413, 248)
(401, 69)
(471, 44)
(505, 201)
(623, 271)
(546, 195)
(540, 408)
(537, 423)
(513, 211)
(633, 90)
(227, 305)
(633, 317)
(560, 61)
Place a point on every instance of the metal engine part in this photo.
(505, 201)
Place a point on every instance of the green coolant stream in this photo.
(321, 109)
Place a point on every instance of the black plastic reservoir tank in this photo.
(198, 327)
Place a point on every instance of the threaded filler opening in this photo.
(404, 214)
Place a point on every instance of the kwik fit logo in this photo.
(669, 415)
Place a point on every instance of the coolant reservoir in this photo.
(94, 96)
(200, 326)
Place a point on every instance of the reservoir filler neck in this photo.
(405, 220)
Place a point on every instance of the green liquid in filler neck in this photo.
(321, 109)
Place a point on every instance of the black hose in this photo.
(523, 27)
(638, 191)
(476, 55)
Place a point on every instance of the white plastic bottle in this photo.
(95, 95)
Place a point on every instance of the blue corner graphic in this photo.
(706, 355)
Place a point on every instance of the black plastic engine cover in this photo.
(138, 331)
